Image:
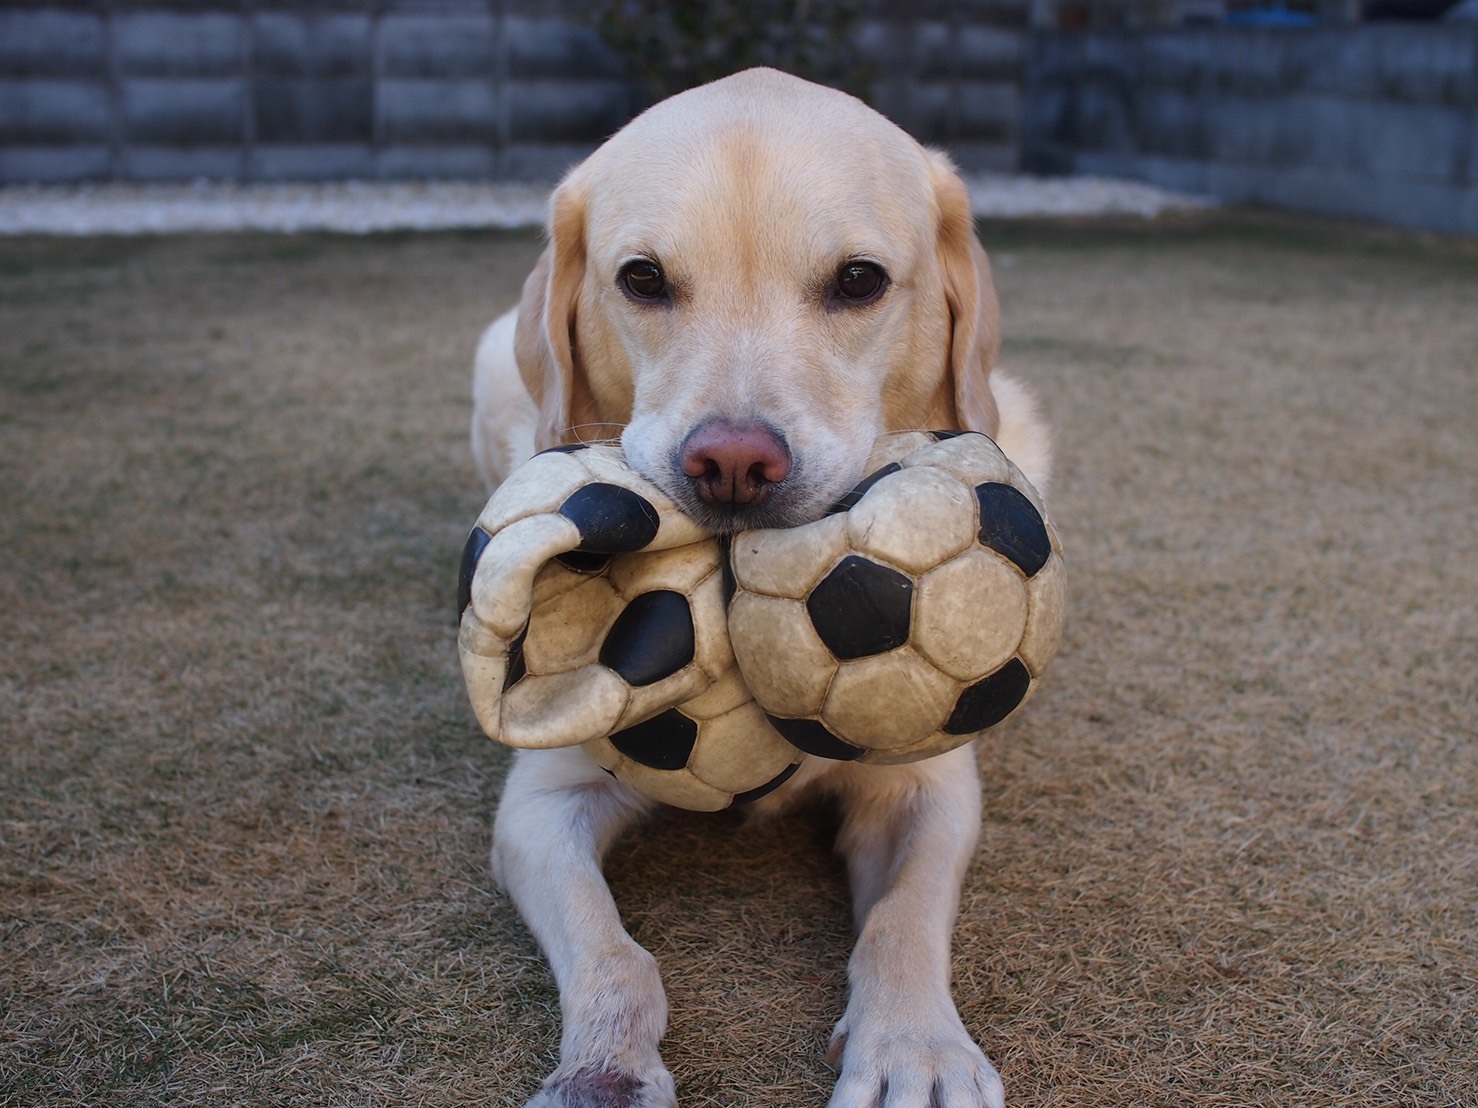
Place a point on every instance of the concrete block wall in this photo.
(1377, 122)
(516, 89)
(252, 91)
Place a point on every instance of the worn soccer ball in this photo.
(918, 614)
(705, 754)
(592, 612)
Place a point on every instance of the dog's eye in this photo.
(860, 281)
(643, 279)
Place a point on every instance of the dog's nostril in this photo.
(701, 467)
(734, 463)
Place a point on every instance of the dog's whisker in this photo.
(583, 433)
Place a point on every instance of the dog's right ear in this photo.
(544, 344)
(975, 318)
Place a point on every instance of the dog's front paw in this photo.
(607, 1087)
(889, 1066)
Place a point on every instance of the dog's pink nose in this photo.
(734, 463)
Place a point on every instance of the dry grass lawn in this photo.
(1231, 850)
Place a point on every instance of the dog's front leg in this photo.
(908, 834)
(559, 814)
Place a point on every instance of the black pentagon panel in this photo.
(810, 736)
(941, 435)
(663, 742)
(516, 670)
(990, 700)
(1011, 526)
(584, 561)
(611, 519)
(565, 448)
(651, 639)
(848, 502)
(768, 787)
(861, 608)
(477, 542)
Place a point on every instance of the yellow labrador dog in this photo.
(746, 286)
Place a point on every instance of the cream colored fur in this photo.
(751, 192)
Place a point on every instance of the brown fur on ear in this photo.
(975, 317)
(544, 343)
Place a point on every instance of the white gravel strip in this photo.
(1020, 196)
(361, 207)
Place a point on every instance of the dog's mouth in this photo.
(745, 476)
(778, 509)
(789, 503)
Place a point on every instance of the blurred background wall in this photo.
(1376, 121)
(119, 89)
(1355, 107)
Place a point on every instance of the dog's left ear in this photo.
(975, 317)
(544, 342)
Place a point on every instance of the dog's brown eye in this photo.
(643, 280)
(860, 281)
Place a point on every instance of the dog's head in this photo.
(748, 284)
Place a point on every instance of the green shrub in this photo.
(671, 45)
